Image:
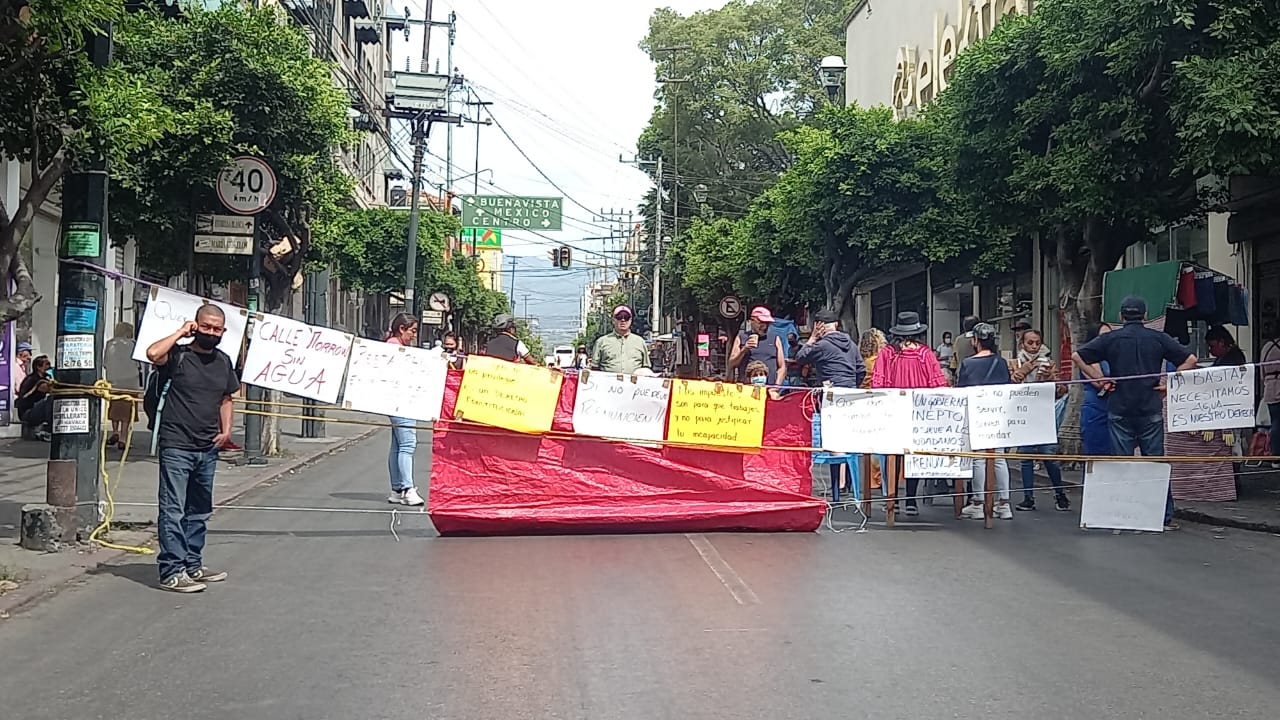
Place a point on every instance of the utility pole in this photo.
(479, 105)
(254, 394)
(526, 307)
(448, 101)
(655, 312)
(74, 461)
(675, 183)
(411, 252)
(512, 294)
(426, 41)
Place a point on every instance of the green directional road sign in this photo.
(482, 238)
(512, 212)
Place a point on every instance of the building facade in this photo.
(900, 54)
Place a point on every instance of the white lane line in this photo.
(732, 582)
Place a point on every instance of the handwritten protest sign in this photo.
(296, 358)
(1125, 496)
(395, 380)
(1004, 416)
(866, 421)
(716, 414)
(628, 407)
(167, 310)
(939, 423)
(507, 395)
(1213, 398)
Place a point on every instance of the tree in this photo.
(240, 81)
(532, 341)
(1066, 130)
(366, 248)
(57, 110)
(749, 72)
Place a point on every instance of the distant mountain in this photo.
(554, 296)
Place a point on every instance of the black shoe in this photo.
(1062, 503)
(1026, 505)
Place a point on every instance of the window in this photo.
(1189, 243)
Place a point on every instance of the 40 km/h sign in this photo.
(248, 186)
(512, 212)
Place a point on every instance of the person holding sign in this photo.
(907, 364)
(1134, 407)
(194, 422)
(985, 367)
(404, 431)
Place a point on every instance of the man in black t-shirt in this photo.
(197, 382)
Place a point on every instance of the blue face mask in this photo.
(760, 380)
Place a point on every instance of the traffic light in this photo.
(566, 257)
(554, 253)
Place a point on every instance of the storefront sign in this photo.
(919, 76)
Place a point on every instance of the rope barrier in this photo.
(468, 427)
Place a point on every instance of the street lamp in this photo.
(700, 193)
(831, 73)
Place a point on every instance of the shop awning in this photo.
(1157, 284)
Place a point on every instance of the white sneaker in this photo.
(412, 498)
(396, 497)
(1003, 511)
(972, 512)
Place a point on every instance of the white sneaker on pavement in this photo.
(972, 512)
(412, 498)
(1003, 511)
(396, 497)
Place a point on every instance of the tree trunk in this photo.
(13, 266)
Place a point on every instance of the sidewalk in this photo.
(22, 481)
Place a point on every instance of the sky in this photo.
(573, 90)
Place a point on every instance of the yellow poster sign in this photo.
(515, 397)
(719, 414)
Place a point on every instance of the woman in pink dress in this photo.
(907, 363)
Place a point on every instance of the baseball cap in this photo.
(622, 309)
(24, 346)
(1022, 325)
(826, 316)
(762, 314)
(1133, 306)
(502, 320)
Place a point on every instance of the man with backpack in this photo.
(197, 382)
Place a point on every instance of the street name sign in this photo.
(224, 244)
(513, 212)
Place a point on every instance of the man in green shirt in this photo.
(621, 351)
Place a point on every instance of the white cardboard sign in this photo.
(866, 421)
(1213, 398)
(70, 416)
(1005, 416)
(939, 423)
(1125, 496)
(167, 310)
(296, 358)
(621, 406)
(387, 379)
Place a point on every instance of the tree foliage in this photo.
(240, 82)
(58, 111)
(748, 74)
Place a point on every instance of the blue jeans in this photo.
(1146, 435)
(186, 502)
(404, 441)
(1053, 467)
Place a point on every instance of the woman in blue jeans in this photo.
(1035, 364)
(404, 432)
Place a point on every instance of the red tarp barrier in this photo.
(506, 483)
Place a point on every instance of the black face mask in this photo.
(207, 341)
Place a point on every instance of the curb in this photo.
(1196, 516)
(30, 594)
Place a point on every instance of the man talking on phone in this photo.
(198, 382)
(754, 344)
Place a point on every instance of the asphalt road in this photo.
(327, 616)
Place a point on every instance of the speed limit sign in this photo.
(248, 186)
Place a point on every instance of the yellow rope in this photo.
(102, 389)
(467, 427)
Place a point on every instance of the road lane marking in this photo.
(732, 582)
